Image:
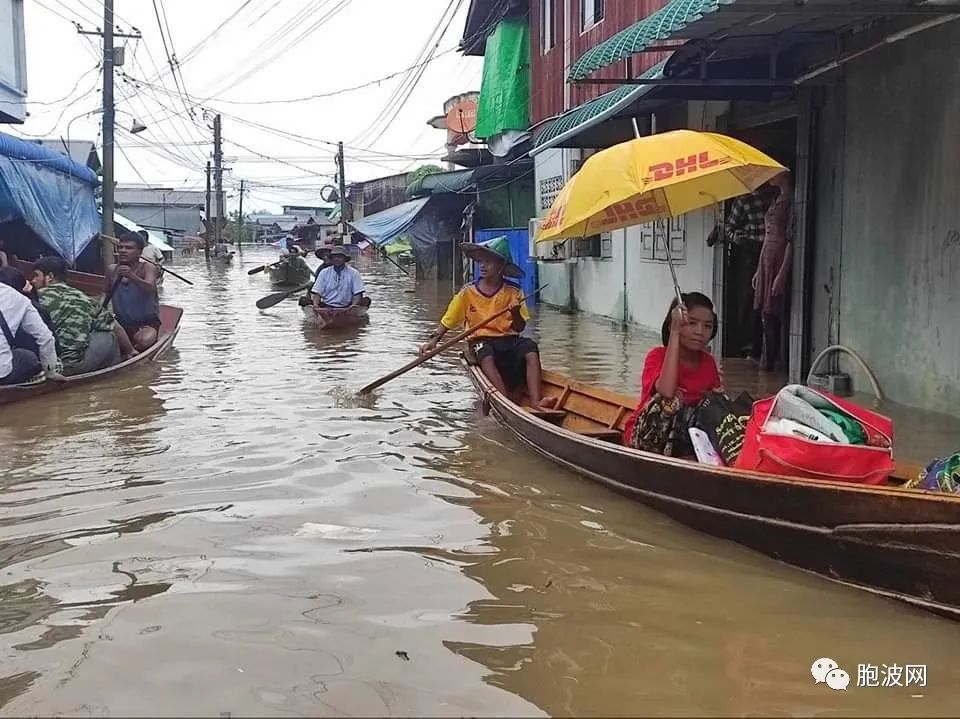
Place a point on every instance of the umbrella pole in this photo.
(673, 271)
(658, 223)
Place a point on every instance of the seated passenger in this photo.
(133, 284)
(18, 364)
(507, 359)
(85, 335)
(338, 285)
(676, 377)
(14, 278)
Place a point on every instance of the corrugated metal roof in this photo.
(719, 20)
(593, 112)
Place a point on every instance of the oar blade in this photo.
(271, 300)
(257, 270)
(278, 297)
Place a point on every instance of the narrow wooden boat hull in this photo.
(169, 326)
(285, 276)
(326, 318)
(888, 540)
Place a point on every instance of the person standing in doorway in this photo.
(742, 231)
(773, 271)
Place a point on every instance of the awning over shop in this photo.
(50, 193)
(660, 26)
(392, 222)
(155, 238)
(483, 178)
(731, 29)
(590, 114)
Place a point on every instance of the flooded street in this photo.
(233, 530)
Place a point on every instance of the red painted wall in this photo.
(547, 70)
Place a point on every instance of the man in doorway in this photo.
(132, 284)
(743, 231)
(339, 285)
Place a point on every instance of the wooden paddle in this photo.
(445, 346)
(261, 268)
(278, 297)
(155, 264)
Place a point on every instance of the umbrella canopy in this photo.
(654, 177)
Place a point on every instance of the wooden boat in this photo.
(896, 542)
(93, 284)
(283, 274)
(330, 318)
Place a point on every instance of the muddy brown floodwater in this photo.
(233, 531)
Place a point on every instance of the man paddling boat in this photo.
(338, 286)
(507, 359)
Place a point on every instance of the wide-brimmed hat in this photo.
(338, 250)
(498, 248)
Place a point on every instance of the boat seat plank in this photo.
(554, 416)
(607, 435)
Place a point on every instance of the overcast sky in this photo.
(266, 50)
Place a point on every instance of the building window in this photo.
(549, 189)
(596, 246)
(547, 26)
(651, 241)
(591, 12)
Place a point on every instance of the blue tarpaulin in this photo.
(392, 222)
(50, 193)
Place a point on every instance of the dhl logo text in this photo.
(685, 166)
(630, 210)
(554, 218)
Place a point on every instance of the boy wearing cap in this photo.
(506, 358)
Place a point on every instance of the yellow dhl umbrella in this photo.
(654, 177)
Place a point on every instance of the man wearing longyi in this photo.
(507, 359)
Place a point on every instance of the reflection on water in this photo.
(235, 530)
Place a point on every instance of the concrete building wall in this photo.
(183, 219)
(13, 62)
(899, 254)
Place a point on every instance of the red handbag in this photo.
(798, 457)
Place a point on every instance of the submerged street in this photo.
(236, 533)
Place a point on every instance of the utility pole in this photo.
(344, 215)
(108, 116)
(218, 177)
(206, 234)
(240, 223)
(109, 60)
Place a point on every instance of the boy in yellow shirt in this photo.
(506, 358)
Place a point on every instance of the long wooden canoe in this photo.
(284, 275)
(329, 318)
(93, 284)
(900, 543)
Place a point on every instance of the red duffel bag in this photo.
(796, 456)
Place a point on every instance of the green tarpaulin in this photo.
(505, 90)
(398, 246)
